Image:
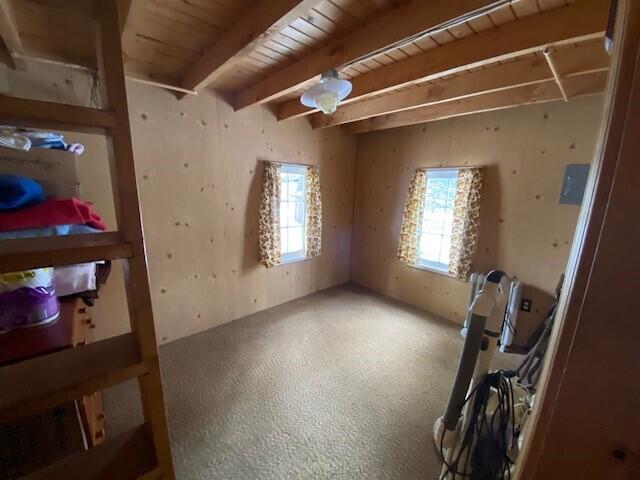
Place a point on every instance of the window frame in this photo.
(299, 255)
(422, 263)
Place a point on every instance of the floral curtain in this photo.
(269, 226)
(413, 211)
(466, 213)
(314, 212)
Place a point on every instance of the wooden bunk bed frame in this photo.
(44, 382)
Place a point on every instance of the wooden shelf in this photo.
(44, 382)
(126, 457)
(27, 253)
(55, 116)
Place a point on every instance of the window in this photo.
(290, 215)
(293, 212)
(434, 232)
(440, 221)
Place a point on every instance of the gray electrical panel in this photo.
(574, 183)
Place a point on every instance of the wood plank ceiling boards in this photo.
(582, 20)
(399, 54)
(10, 35)
(572, 61)
(379, 34)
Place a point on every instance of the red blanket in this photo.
(54, 211)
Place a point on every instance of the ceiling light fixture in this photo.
(327, 94)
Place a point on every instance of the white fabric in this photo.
(71, 279)
(11, 139)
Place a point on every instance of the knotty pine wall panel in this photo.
(199, 168)
(524, 230)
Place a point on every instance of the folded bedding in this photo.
(17, 192)
(48, 231)
(51, 212)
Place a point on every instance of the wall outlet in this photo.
(525, 305)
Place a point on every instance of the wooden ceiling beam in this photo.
(11, 36)
(587, 84)
(583, 59)
(265, 19)
(406, 21)
(579, 21)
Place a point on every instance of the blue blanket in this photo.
(17, 192)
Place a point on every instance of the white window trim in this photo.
(437, 271)
(287, 261)
(435, 266)
(291, 257)
(443, 170)
(300, 255)
(424, 264)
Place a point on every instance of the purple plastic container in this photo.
(27, 299)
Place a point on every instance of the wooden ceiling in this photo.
(409, 61)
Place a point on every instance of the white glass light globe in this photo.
(327, 94)
(327, 102)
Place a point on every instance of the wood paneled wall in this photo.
(199, 173)
(524, 230)
(199, 167)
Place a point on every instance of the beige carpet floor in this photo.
(342, 384)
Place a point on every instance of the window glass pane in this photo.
(447, 221)
(433, 221)
(283, 241)
(430, 247)
(300, 215)
(284, 190)
(283, 214)
(439, 189)
(296, 188)
(430, 196)
(451, 197)
(445, 250)
(437, 221)
(293, 218)
(296, 239)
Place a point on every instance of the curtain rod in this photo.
(75, 66)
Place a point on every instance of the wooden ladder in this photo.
(42, 383)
